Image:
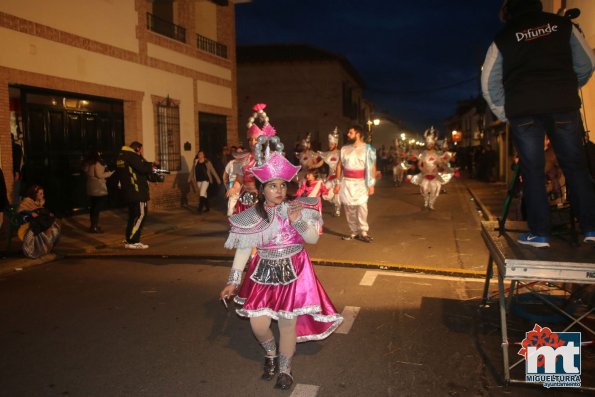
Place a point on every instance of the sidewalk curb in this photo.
(22, 263)
(384, 266)
(486, 213)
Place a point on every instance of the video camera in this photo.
(158, 175)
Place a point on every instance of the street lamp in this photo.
(374, 122)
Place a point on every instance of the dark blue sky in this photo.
(406, 51)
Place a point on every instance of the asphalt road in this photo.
(405, 234)
(154, 327)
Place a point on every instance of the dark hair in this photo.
(136, 146)
(32, 191)
(513, 8)
(260, 203)
(358, 129)
(313, 172)
(93, 157)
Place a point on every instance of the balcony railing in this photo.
(166, 28)
(211, 46)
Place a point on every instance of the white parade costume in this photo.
(331, 159)
(307, 158)
(357, 176)
(435, 172)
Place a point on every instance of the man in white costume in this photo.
(356, 173)
(331, 158)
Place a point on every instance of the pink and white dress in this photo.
(280, 281)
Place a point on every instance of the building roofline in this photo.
(270, 53)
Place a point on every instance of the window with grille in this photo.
(168, 130)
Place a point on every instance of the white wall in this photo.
(107, 21)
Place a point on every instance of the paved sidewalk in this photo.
(204, 235)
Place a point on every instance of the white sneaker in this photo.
(136, 246)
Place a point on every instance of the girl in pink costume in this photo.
(280, 282)
(313, 187)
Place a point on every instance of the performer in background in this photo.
(307, 158)
(434, 170)
(356, 173)
(280, 283)
(331, 159)
(313, 187)
(245, 184)
(400, 165)
(230, 174)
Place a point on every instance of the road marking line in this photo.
(349, 314)
(370, 277)
(301, 390)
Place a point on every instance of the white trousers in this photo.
(202, 188)
(430, 190)
(231, 203)
(331, 196)
(357, 218)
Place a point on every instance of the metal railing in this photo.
(166, 28)
(211, 46)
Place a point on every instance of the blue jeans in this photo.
(528, 134)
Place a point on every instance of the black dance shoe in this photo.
(284, 381)
(271, 364)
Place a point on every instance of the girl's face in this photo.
(252, 141)
(201, 157)
(275, 191)
(39, 195)
(310, 177)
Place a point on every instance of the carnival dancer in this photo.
(245, 183)
(356, 173)
(307, 158)
(433, 167)
(280, 283)
(331, 159)
(313, 187)
(232, 169)
(400, 165)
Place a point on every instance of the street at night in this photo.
(301, 198)
(154, 327)
(143, 325)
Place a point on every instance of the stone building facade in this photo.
(306, 89)
(95, 74)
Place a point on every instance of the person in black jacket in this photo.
(530, 77)
(133, 171)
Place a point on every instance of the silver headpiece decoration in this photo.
(333, 137)
(430, 135)
(262, 148)
(306, 141)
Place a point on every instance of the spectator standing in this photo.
(202, 176)
(96, 171)
(530, 77)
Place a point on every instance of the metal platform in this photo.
(520, 265)
(560, 263)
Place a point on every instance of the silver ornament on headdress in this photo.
(430, 135)
(264, 145)
(334, 136)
